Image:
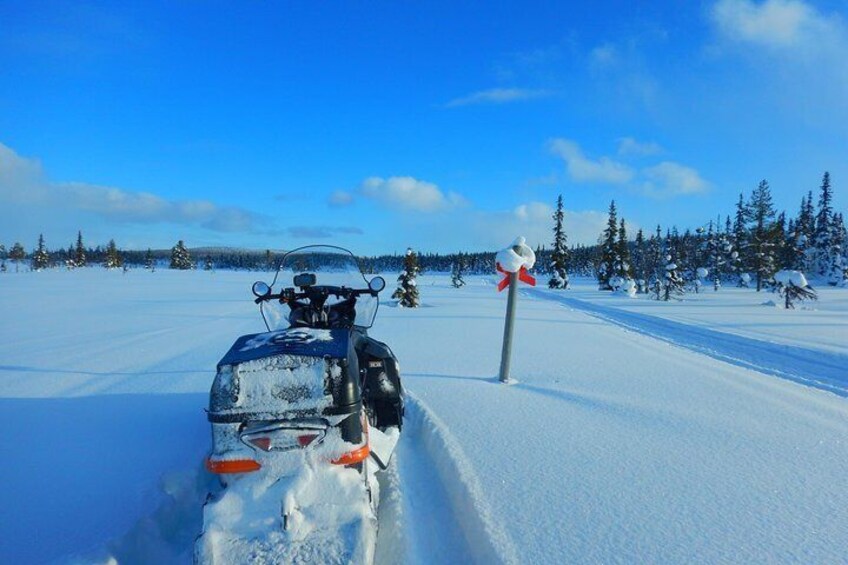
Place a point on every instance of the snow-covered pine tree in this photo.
(838, 272)
(40, 258)
(803, 234)
(559, 253)
(623, 267)
(407, 290)
(208, 265)
(640, 257)
(180, 257)
(715, 249)
(79, 252)
(673, 283)
(792, 286)
(148, 260)
(763, 234)
(739, 240)
(655, 267)
(822, 231)
(113, 256)
(609, 250)
(457, 270)
(17, 254)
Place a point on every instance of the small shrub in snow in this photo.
(792, 286)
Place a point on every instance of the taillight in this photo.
(283, 437)
(232, 466)
(306, 439)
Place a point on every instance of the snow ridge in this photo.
(488, 541)
(817, 369)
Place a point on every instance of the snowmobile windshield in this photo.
(332, 267)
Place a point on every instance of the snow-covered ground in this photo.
(818, 325)
(615, 445)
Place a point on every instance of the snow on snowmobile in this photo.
(303, 417)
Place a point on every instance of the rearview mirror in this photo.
(377, 284)
(261, 289)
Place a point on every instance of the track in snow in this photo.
(818, 369)
(432, 509)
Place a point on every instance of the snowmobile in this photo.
(303, 417)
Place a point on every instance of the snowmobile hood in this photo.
(293, 341)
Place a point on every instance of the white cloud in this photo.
(604, 55)
(321, 232)
(498, 96)
(23, 182)
(627, 146)
(533, 221)
(669, 179)
(777, 24)
(582, 169)
(340, 199)
(410, 194)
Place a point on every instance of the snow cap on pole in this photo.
(512, 261)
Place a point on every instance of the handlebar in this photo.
(313, 292)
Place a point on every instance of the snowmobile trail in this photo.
(818, 369)
(432, 506)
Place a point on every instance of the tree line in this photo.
(746, 248)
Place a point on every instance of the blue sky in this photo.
(382, 125)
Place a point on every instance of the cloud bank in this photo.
(404, 194)
(23, 182)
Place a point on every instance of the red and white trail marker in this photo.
(513, 262)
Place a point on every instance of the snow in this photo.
(512, 261)
(787, 277)
(638, 431)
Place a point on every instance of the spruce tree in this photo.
(113, 256)
(740, 239)
(792, 286)
(623, 267)
(180, 257)
(763, 234)
(673, 283)
(655, 267)
(79, 252)
(559, 253)
(640, 258)
(609, 250)
(457, 270)
(40, 258)
(148, 260)
(407, 290)
(804, 231)
(822, 235)
(207, 263)
(838, 269)
(17, 254)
